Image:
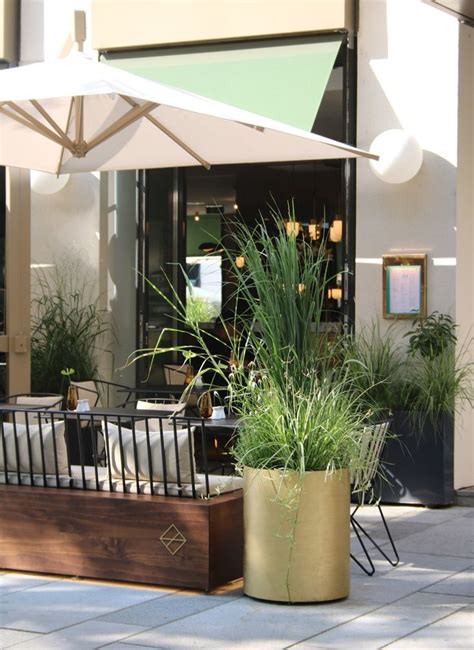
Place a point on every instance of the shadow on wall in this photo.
(122, 263)
(65, 220)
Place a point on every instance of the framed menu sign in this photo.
(404, 286)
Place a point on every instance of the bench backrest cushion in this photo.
(88, 390)
(177, 447)
(176, 408)
(25, 455)
(48, 401)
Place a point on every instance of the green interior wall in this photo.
(208, 228)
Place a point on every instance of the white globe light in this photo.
(400, 156)
(43, 183)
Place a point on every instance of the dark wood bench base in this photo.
(168, 541)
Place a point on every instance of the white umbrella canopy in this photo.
(78, 115)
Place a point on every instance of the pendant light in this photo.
(293, 228)
(335, 293)
(335, 231)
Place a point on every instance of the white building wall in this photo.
(69, 219)
(464, 442)
(67, 223)
(408, 74)
(407, 79)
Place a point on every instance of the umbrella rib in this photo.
(79, 113)
(33, 124)
(255, 127)
(68, 122)
(126, 120)
(170, 135)
(51, 122)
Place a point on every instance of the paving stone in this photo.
(422, 571)
(454, 631)
(128, 646)
(164, 610)
(422, 515)
(12, 637)
(85, 636)
(399, 528)
(10, 582)
(378, 628)
(459, 584)
(454, 537)
(381, 589)
(252, 624)
(428, 562)
(58, 604)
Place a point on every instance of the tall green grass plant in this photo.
(67, 327)
(297, 410)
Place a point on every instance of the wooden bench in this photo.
(93, 532)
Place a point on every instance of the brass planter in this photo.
(296, 534)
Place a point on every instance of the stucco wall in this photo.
(407, 79)
(464, 443)
(186, 21)
(118, 271)
(67, 222)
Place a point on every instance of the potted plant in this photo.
(299, 420)
(422, 385)
(67, 326)
(437, 379)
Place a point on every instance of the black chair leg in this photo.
(358, 525)
(392, 543)
(368, 571)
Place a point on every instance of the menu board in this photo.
(404, 286)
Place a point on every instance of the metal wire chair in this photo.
(371, 445)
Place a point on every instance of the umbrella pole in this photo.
(80, 29)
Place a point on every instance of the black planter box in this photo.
(418, 464)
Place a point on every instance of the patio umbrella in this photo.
(77, 115)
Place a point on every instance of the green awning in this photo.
(283, 79)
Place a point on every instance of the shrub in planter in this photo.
(422, 386)
(300, 421)
(437, 381)
(67, 327)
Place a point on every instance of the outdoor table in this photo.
(228, 424)
(161, 390)
(213, 438)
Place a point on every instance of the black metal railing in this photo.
(119, 450)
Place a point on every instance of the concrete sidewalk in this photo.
(426, 602)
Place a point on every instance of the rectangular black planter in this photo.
(418, 462)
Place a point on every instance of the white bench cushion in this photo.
(52, 435)
(217, 484)
(181, 442)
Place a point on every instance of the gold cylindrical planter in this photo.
(297, 544)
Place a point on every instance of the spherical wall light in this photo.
(43, 183)
(400, 156)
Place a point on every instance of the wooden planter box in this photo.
(419, 465)
(180, 542)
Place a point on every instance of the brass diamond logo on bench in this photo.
(173, 540)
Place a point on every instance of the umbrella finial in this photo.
(80, 29)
